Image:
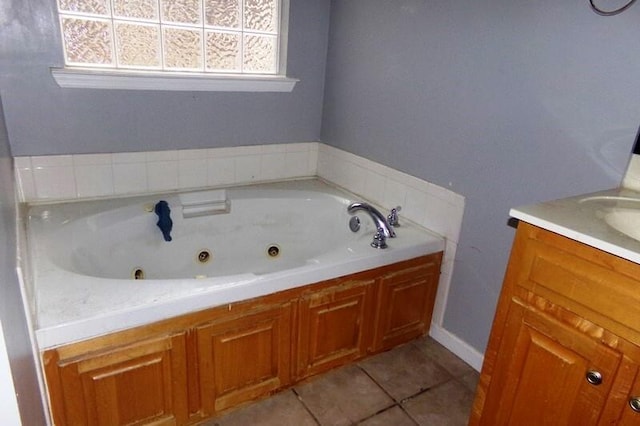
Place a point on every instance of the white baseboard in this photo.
(460, 348)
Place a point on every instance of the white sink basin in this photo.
(613, 200)
(619, 212)
(626, 221)
(608, 220)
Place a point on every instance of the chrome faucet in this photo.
(384, 230)
(393, 217)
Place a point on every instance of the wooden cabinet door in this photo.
(405, 304)
(541, 370)
(245, 357)
(141, 383)
(631, 408)
(334, 326)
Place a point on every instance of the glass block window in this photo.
(205, 36)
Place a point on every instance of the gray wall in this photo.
(507, 102)
(43, 119)
(12, 315)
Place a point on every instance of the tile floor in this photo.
(419, 383)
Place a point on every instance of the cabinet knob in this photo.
(634, 403)
(594, 377)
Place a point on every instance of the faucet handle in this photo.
(393, 217)
(379, 240)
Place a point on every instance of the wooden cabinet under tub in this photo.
(243, 357)
(565, 344)
(334, 325)
(405, 304)
(139, 382)
(186, 369)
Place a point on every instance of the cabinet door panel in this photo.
(540, 373)
(244, 358)
(334, 327)
(115, 392)
(629, 416)
(406, 304)
(138, 384)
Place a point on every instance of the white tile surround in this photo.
(69, 177)
(65, 177)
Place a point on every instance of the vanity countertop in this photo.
(582, 218)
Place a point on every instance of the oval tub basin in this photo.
(260, 239)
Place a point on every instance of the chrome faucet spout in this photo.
(378, 218)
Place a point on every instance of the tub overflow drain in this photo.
(204, 256)
(273, 251)
(137, 274)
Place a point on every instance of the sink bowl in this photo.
(613, 200)
(626, 221)
(622, 213)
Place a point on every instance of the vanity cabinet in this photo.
(186, 369)
(564, 348)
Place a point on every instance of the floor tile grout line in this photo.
(408, 414)
(376, 382)
(396, 403)
(425, 390)
(434, 358)
(421, 391)
(304, 405)
(401, 403)
(465, 385)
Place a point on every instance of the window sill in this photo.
(143, 80)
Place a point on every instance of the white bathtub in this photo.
(83, 255)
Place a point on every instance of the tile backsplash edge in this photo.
(86, 176)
